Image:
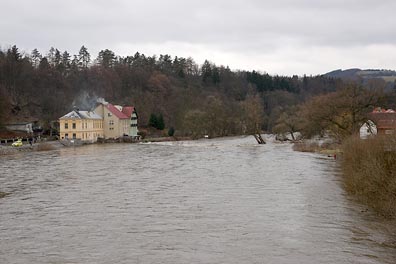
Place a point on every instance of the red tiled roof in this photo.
(379, 110)
(384, 119)
(114, 110)
(128, 110)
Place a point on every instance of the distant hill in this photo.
(364, 75)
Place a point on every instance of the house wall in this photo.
(20, 127)
(386, 131)
(133, 130)
(113, 127)
(84, 129)
(124, 125)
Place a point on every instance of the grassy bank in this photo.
(316, 147)
(369, 168)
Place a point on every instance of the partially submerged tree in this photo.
(253, 117)
(287, 123)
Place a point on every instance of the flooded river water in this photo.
(206, 201)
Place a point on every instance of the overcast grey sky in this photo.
(279, 36)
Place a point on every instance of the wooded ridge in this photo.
(193, 99)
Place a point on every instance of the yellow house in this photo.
(83, 125)
(118, 121)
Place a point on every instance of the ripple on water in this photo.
(206, 201)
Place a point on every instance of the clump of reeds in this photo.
(306, 146)
(44, 146)
(315, 146)
(369, 167)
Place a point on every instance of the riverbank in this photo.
(41, 146)
(52, 145)
(165, 139)
(369, 169)
(316, 146)
(368, 166)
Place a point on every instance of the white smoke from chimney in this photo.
(102, 101)
(85, 101)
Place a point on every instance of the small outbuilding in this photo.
(368, 129)
(22, 127)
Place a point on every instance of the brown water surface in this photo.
(207, 201)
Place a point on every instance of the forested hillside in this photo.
(193, 99)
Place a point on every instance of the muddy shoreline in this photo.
(53, 145)
(41, 146)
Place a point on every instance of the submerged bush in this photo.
(315, 146)
(369, 167)
(44, 146)
(306, 146)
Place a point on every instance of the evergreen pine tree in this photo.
(160, 122)
(153, 121)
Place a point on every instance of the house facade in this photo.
(115, 122)
(83, 125)
(368, 129)
(106, 121)
(130, 111)
(385, 121)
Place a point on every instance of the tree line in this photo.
(192, 99)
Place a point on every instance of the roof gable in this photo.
(128, 110)
(71, 115)
(81, 115)
(114, 110)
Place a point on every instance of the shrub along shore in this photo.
(368, 166)
(369, 169)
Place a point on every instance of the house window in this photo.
(74, 135)
(66, 125)
(74, 125)
(111, 122)
(66, 135)
(109, 114)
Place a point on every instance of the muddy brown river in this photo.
(206, 201)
